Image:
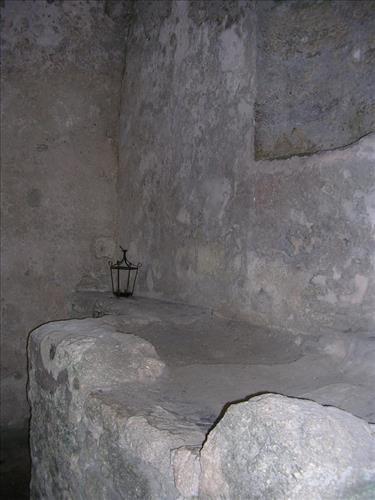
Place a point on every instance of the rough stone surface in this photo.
(62, 64)
(214, 360)
(122, 404)
(288, 243)
(186, 471)
(87, 446)
(278, 447)
(315, 73)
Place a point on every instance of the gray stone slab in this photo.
(121, 405)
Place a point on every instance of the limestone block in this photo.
(278, 447)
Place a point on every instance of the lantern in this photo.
(123, 276)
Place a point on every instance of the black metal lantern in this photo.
(123, 276)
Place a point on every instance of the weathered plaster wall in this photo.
(284, 242)
(287, 242)
(61, 77)
(316, 77)
(186, 138)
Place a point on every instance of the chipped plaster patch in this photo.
(361, 285)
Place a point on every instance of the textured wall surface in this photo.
(186, 145)
(61, 75)
(280, 242)
(287, 242)
(316, 73)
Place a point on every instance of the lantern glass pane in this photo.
(123, 276)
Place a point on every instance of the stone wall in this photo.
(316, 67)
(62, 64)
(287, 242)
(280, 242)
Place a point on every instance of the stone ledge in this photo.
(121, 406)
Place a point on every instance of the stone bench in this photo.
(130, 406)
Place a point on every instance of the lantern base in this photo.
(123, 294)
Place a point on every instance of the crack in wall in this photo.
(317, 152)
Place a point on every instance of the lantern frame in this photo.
(131, 273)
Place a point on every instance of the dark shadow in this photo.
(15, 464)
